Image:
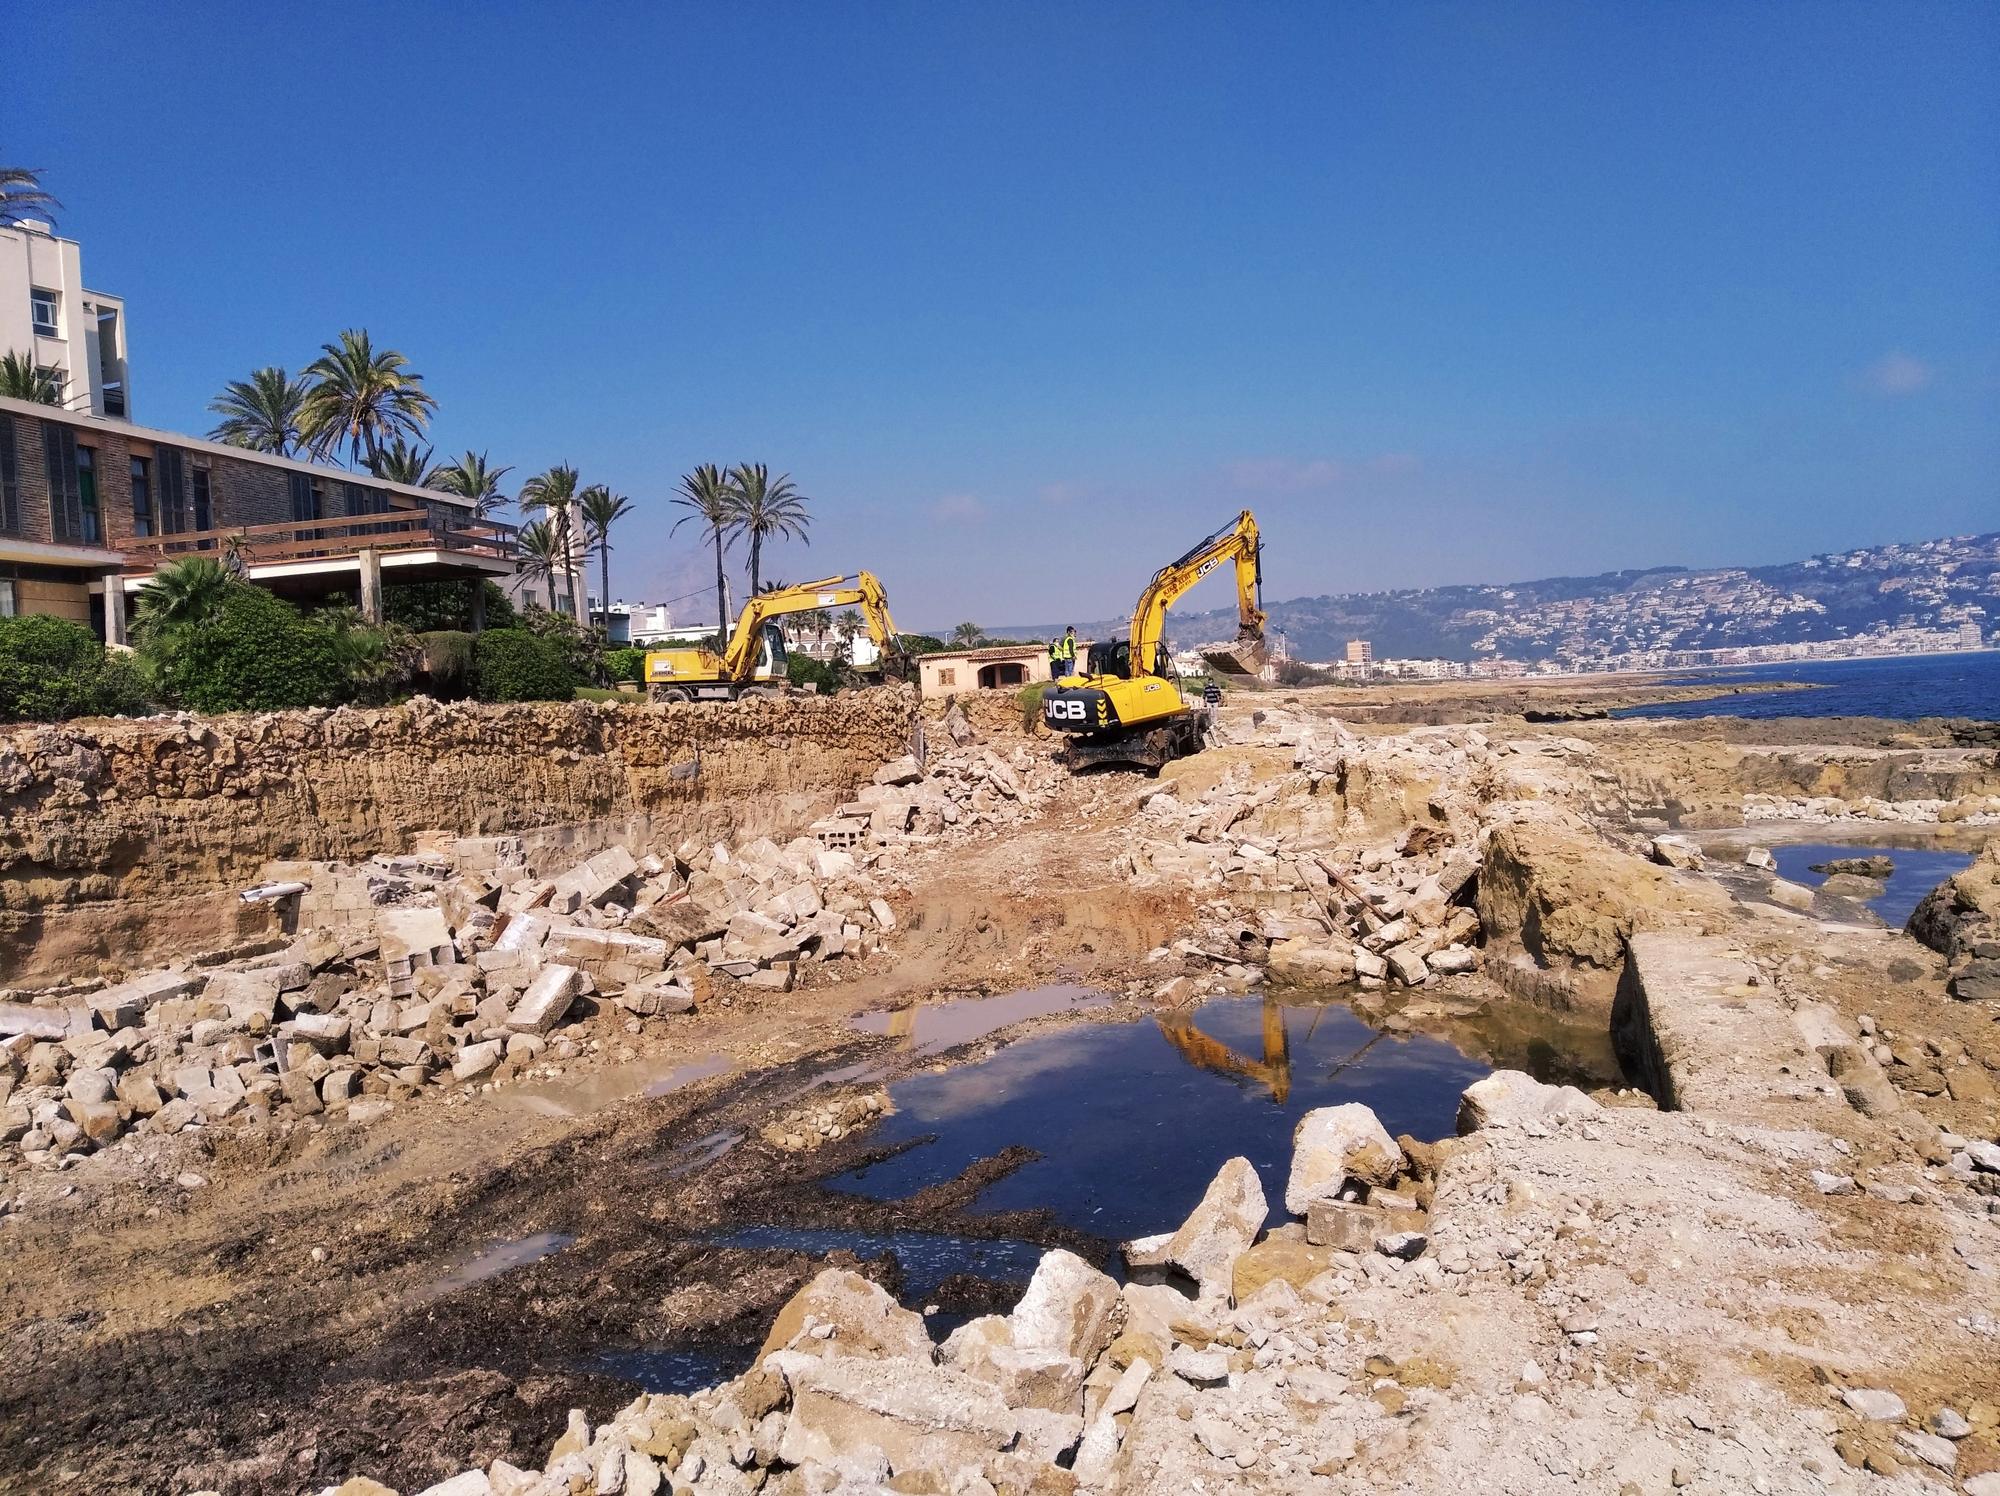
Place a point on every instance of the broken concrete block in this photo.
(904, 770)
(595, 880)
(1407, 963)
(547, 999)
(885, 917)
(326, 1032)
(39, 1022)
(774, 978)
(1333, 1144)
(476, 1060)
(414, 932)
(925, 1418)
(1350, 1227)
(522, 935)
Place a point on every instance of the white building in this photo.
(633, 623)
(47, 314)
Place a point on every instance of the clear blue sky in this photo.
(1027, 297)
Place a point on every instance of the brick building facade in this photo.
(89, 507)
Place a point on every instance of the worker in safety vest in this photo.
(1068, 647)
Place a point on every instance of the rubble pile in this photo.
(1323, 906)
(449, 968)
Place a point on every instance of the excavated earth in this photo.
(280, 1306)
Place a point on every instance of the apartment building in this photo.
(91, 507)
(48, 315)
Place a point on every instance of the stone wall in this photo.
(124, 842)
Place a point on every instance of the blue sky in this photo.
(1028, 297)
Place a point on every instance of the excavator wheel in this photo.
(668, 695)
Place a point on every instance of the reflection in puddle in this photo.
(1917, 871)
(927, 1029)
(927, 1258)
(580, 1095)
(501, 1257)
(1132, 1120)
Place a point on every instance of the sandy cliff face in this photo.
(121, 841)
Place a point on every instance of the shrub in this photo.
(447, 666)
(819, 675)
(256, 654)
(51, 668)
(1030, 698)
(923, 644)
(516, 665)
(627, 664)
(1299, 673)
(582, 649)
(433, 607)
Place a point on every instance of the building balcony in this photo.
(407, 540)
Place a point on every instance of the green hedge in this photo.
(448, 663)
(515, 665)
(627, 664)
(51, 668)
(257, 654)
(437, 607)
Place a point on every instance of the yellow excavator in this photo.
(754, 661)
(1126, 706)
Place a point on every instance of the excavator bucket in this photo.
(1244, 657)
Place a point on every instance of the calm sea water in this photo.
(1909, 686)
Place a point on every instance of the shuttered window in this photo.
(170, 485)
(65, 502)
(10, 480)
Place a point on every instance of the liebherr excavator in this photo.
(753, 664)
(1126, 706)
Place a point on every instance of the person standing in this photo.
(1069, 650)
(1055, 657)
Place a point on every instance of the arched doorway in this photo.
(1002, 673)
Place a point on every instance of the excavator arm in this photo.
(740, 658)
(1237, 542)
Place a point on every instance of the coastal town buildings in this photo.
(48, 315)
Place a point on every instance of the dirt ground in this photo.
(258, 1312)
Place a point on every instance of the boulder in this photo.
(1067, 1308)
(866, 1321)
(1220, 1229)
(1309, 963)
(924, 1418)
(1022, 1376)
(1508, 1098)
(1676, 851)
(1333, 1144)
(1285, 1255)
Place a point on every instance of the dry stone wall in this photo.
(125, 841)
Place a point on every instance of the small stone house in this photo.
(1000, 667)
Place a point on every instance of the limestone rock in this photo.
(1510, 1098)
(866, 1321)
(1067, 1308)
(924, 1418)
(1333, 1144)
(1221, 1228)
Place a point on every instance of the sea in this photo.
(1905, 686)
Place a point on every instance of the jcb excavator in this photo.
(1126, 706)
(754, 663)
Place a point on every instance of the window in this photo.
(170, 516)
(306, 496)
(91, 533)
(10, 480)
(947, 675)
(203, 508)
(43, 310)
(10, 605)
(142, 497)
(65, 510)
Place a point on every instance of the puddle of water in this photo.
(1132, 1120)
(1918, 871)
(687, 1075)
(932, 1028)
(687, 1368)
(492, 1261)
(927, 1258)
(579, 1096)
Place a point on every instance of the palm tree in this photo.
(848, 626)
(22, 379)
(404, 462)
(966, 635)
(555, 493)
(261, 412)
(600, 509)
(536, 552)
(182, 596)
(473, 477)
(767, 506)
(21, 195)
(361, 397)
(707, 496)
(774, 585)
(820, 621)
